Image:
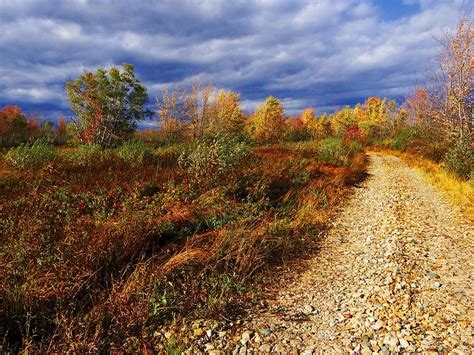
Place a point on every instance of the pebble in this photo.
(247, 335)
(404, 343)
(265, 348)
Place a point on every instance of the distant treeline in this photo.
(435, 120)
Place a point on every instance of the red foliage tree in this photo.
(13, 126)
(62, 131)
(354, 134)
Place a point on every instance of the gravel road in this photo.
(394, 274)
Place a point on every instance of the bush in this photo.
(460, 158)
(336, 151)
(214, 158)
(87, 155)
(134, 152)
(34, 156)
(429, 141)
(331, 150)
(402, 139)
(168, 156)
(354, 134)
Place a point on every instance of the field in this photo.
(103, 249)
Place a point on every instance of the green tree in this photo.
(108, 104)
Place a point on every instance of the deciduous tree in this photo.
(226, 117)
(13, 126)
(197, 105)
(108, 104)
(171, 115)
(342, 120)
(266, 124)
(456, 63)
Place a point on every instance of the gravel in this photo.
(394, 274)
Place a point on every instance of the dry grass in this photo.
(95, 258)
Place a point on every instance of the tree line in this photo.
(108, 104)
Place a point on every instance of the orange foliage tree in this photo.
(13, 126)
(420, 107)
(61, 134)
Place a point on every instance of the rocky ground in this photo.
(394, 274)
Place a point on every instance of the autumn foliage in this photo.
(266, 124)
(108, 244)
(14, 127)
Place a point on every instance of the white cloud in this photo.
(320, 53)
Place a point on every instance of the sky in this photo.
(319, 53)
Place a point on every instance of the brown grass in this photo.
(95, 257)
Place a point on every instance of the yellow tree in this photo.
(197, 103)
(171, 115)
(226, 117)
(374, 119)
(266, 124)
(319, 127)
(307, 117)
(324, 126)
(342, 120)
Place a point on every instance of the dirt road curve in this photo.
(395, 274)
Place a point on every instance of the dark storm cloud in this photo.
(320, 53)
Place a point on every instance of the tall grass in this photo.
(135, 152)
(31, 156)
(336, 151)
(98, 256)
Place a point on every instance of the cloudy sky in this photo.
(320, 53)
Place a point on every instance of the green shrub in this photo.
(336, 151)
(460, 158)
(402, 139)
(34, 156)
(214, 158)
(87, 155)
(331, 150)
(296, 135)
(352, 148)
(167, 156)
(134, 152)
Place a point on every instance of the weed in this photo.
(34, 156)
(99, 256)
(134, 152)
(87, 155)
(211, 160)
(332, 151)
